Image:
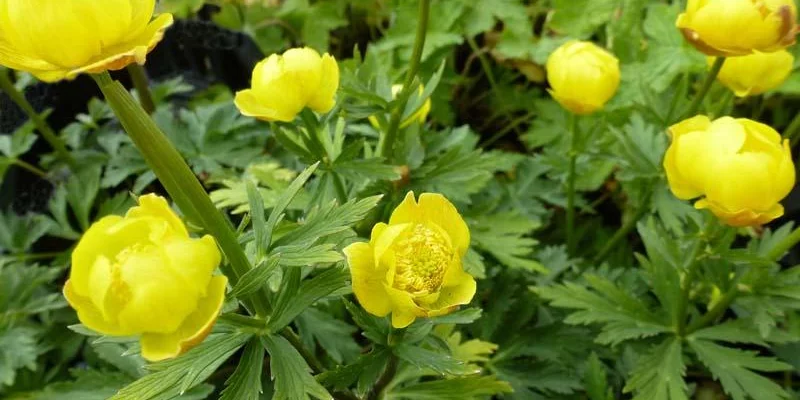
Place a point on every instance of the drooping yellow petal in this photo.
(368, 282)
(404, 310)
(756, 73)
(193, 329)
(90, 316)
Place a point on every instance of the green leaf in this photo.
(283, 202)
(506, 236)
(742, 331)
(302, 256)
(18, 349)
(659, 375)
(82, 190)
(174, 377)
(439, 362)
(333, 335)
(580, 18)
(461, 388)
(624, 316)
(89, 384)
(256, 278)
(290, 304)
(735, 370)
(596, 381)
(245, 382)
(375, 329)
(292, 376)
(365, 370)
(258, 219)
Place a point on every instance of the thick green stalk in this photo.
(573, 159)
(710, 78)
(178, 179)
(416, 57)
(41, 125)
(31, 168)
(141, 83)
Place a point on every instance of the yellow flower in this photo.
(740, 168)
(420, 115)
(739, 27)
(412, 267)
(55, 40)
(756, 73)
(143, 275)
(582, 76)
(283, 85)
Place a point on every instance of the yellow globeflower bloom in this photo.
(741, 168)
(739, 27)
(55, 40)
(756, 73)
(412, 266)
(582, 76)
(143, 275)
(420, 115)
(283, 85)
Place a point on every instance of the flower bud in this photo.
(143, 275)
(419, 116)
(283, 85)
(756, 73)
(739, 27)
(582, 76)
(55, 40)
(412, 266)
(740, 169)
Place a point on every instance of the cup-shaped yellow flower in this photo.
(418, 116)
(412, 266)
(739, 27)
(741, 168)
(143, 275)
(283, 85)
(756, 73)
(55, 40)
(582, 76)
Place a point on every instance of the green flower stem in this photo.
(777, 252)
(791, 132)
(573, 159)
(179, 180)
(31, 168)
(621, 234)
(716, 311)
(44, 129)
(402, 98)
(710, 78)
(141, 83)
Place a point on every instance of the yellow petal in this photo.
(434, 208)
(697, 123)
(193, 329)
(743, 182)
(368, 281)
(756, 73)
(323, 98)
(95, 241)
(404, 310)
(458, 288)
(194, 260)
(158, 298)
(304, 66)
(151, 205)
(583, 76)
(249, 105)
(90, 316)
(741, 218)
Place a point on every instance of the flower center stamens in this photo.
(421, 259)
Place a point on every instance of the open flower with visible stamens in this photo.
(412, 266)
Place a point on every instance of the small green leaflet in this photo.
(292, 376)
(659, 375)
(245, 382)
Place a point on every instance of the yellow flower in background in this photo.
(582, 76)
(412, 266)
(739, 27)
(283, 85)
(741, 168)
(756, 73)
(143, 275)
(55, 40)
(419, 116)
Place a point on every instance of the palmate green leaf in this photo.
(374, 328)
(365, 371)
(596, 381)
(333, 335)
(580, 18)
(245, 382)
(528, 376)
(668, 53)
(24, 291)
(506, 237)
(174, 377)
(437, 361)
(88, 385)
(462, 388)
(18, 349)
(659, 375)
(19, 232)
(737, 371)
(742, 331)
(328, 220)
(292, 376)
(291, 302)
(624, 317)
(256, 278)
(662, 267)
